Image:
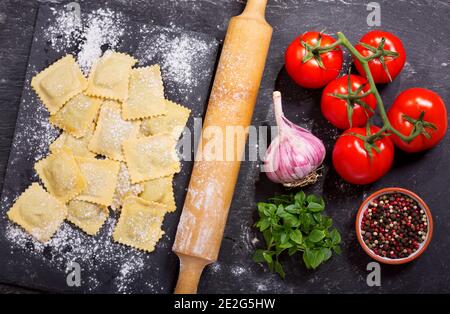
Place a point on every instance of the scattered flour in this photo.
(97, 30)
(127, 274)
(238, 270)
(35, 138)
(180, 56)
(63, 31)
(215, 267)
(103, 27)
(92, 253)
(261, 287)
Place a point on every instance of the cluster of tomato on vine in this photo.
(416, 120)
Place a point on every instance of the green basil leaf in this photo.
(280, 210)
(292, 251)
(314, 257)
(296, 236)
(268, 237)
(311, 221)
(263, 224)
(322, 202)
(286, 245)
(327, 222)
(267, 257)
(315, 207)
(304, 221)
(337, 249)
(326, 253)
(283, 238)
(335, 237)
(318, 217)
(279, 269)
(290, 220)
(274, 220)
(269, 209)
(312, 199)
(261, 210)
(261, 206)
(307, 258)
(292, 209)
(258, 256)
(300, 197)
(316, 235)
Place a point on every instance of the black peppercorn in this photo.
(394, 225)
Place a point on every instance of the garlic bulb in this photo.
(295, 154)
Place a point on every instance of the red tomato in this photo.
(335, 109)
(310, 74)
(353, 163)
(393, 64)
(412, 102)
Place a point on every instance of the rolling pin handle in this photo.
(255, 7)
(191, 269)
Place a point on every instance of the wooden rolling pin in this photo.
(214, 177)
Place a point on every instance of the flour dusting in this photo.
(127, 274)
(96, 31)
(237, 270)
(34, 140)
(93, 253)
(181, 56)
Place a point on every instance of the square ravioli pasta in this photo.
(172, 122)
(161, 191)
(38, 213)
(79, 146)
(112, 131)
(109, 77)
(101, 178)
(140, 224)
(61, 175)
(57, 84)
(124, 187)
(77, 115)
(89, 217)
(146, 94)
(151, 157)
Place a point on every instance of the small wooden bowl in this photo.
(386, 260)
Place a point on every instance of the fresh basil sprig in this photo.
(294, 224)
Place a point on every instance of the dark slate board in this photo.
(427, 174)
(105, 266)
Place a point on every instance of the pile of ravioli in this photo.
(117, 151)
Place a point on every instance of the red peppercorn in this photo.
(394, 228)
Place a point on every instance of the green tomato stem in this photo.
(387, 127)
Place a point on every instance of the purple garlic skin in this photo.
(295, 153)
